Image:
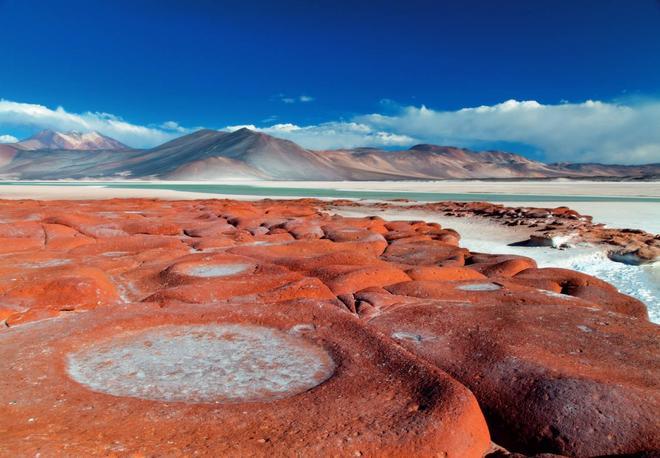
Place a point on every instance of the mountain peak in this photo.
(48, 139)
(434, 148)
(246, 132)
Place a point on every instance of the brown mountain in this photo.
(208, 155)
(51, 140)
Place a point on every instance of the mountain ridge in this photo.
(209, 155)
(48, 139)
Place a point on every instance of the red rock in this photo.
(127, 244)
(12, 245)
(377, 400)
(343, 279)
(448, 236)
(207, 278)
(21, 236)
(151, 227)
(370, 223)
(211, 243)
(217, 228)
(554, 378)
(402, 226)
(22, 229)
(586, 287)
(499, 265)
(530, 342)
(61, 289)
(410, 235)
(58, 237)
(424, 253)
(350, 234)
(444, 273)
(300, 249)
(86, 224)
(304, 229)
(615, 302)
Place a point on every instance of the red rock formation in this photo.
(97, 298)
(378, 399)
(555, 227)
(550, 377)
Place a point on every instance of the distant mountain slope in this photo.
(51, 140)
(7, 153)
(431, 162)
(245, 154)
(648, 171)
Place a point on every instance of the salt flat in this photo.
(560, 187)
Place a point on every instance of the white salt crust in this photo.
(202, 363)
(217, 270)
(479, 287)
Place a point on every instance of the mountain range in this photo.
(209, 155)
(48, 139)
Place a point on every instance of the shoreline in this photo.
(560, 187)
(631, 215)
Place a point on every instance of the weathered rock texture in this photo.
(274, 328)
(554, 227)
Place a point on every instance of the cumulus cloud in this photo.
(332, 135)
(42, 117)
(8, 139)
(591, 131)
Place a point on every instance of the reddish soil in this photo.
(343, 336)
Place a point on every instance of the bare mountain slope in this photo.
(261, 155)
(7, 153)
(436, 162)
(214, 155)
(51, 140)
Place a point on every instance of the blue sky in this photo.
(339, 73)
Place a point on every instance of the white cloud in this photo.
(174, 127)
(8, 139)
(591, 131)
(332, 135)
(291, 99)
(577, 132)
(39, 116)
